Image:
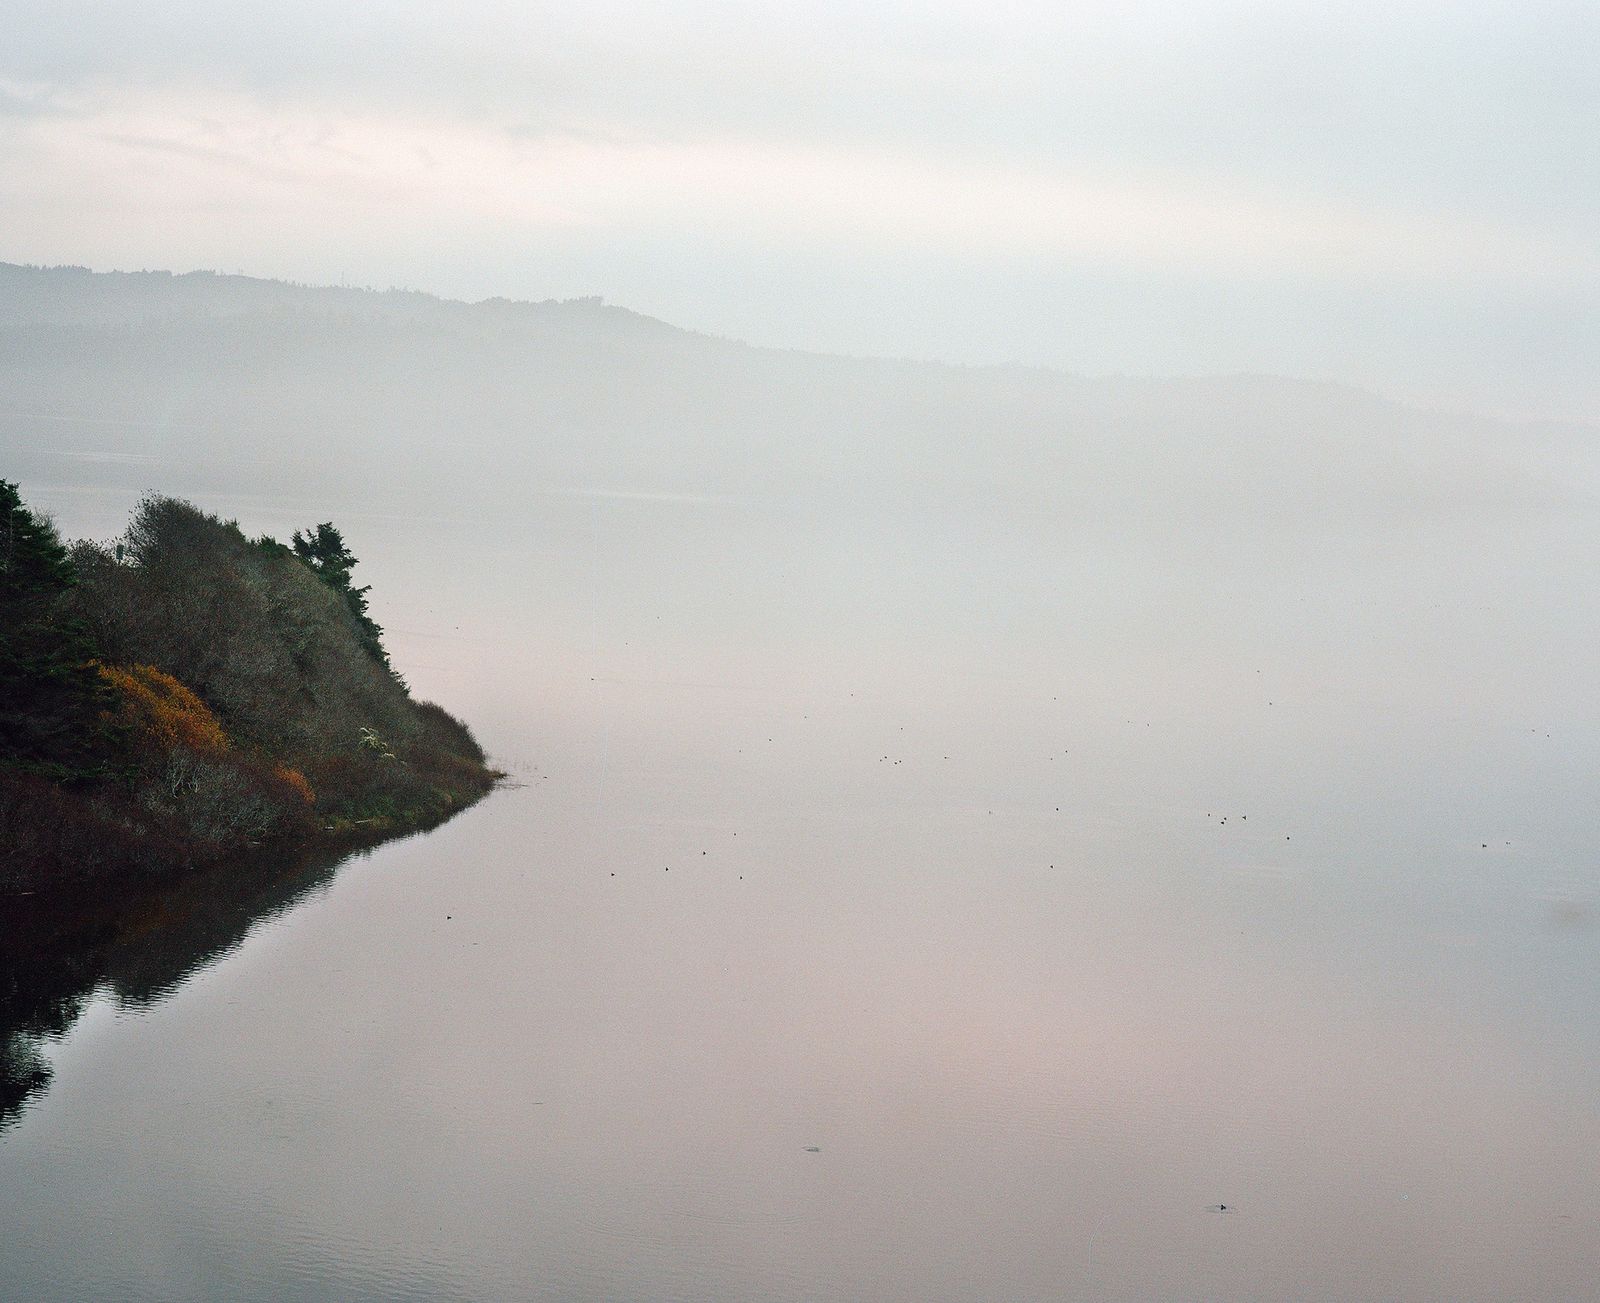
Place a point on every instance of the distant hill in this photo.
(76, 295)
(202, 382)
(207, 384)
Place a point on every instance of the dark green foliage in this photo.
(324, 550)
(279, 656)
(50, 695)
(311, 729)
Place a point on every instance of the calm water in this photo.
(903, 899)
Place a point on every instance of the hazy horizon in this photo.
(1385, 196)
(1442, 407)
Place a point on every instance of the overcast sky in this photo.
(1403, 195)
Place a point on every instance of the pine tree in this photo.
(51, 697)
(323, 549)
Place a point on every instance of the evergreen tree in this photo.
(323, 549)
(51, 698)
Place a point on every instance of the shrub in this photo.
(160, 711)
(223, 800)
(296, 782)
(53, 837)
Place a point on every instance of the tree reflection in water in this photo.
(136, 946)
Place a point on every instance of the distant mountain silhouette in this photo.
(205, 383)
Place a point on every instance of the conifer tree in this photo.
(51, 697)
(323, 549)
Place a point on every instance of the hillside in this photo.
(186, 693)
(205, 383)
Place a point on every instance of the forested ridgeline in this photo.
(186, 693)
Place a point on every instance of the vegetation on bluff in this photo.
(187, 693)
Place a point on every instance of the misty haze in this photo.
(998, 827)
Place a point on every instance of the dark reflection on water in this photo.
(135, 947)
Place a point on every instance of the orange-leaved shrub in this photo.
(296, 782)
(159, 709)
(187, 770)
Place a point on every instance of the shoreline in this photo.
(44, 881)
(137, 938)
